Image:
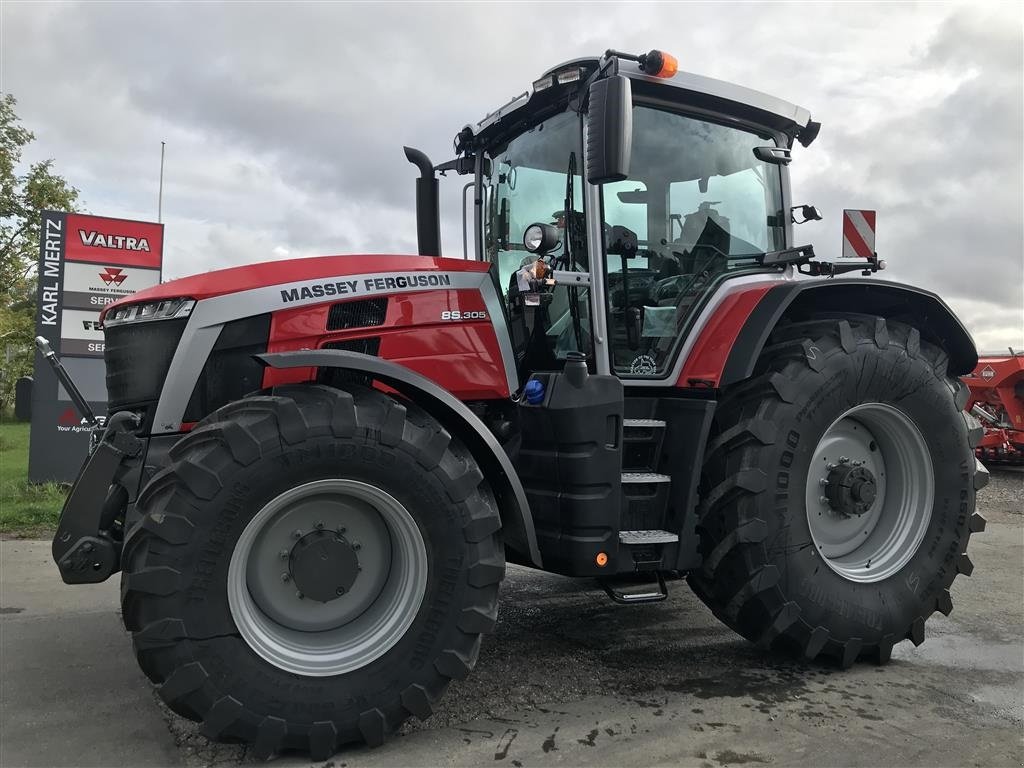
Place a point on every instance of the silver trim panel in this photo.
(209, 315)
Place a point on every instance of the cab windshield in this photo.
(702, 205)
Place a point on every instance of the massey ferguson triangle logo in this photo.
(120, 242)
(69, 418)
(112, 276)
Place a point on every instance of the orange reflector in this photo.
(669, 65)
(601, 559)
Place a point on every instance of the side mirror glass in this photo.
(609, 129)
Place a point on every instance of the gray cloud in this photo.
(285, 123)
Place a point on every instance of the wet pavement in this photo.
(570, 678)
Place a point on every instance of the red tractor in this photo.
(997, 400)
(313, 472)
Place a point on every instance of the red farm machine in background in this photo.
(997, 400)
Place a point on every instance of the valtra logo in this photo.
(95, 239)
(112, 276)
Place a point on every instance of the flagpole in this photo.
(160, 195)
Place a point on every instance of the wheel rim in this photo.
(327, 577)
(870, 491)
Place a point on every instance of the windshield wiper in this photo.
(798, 255)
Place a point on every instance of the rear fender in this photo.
(517, 522)
(805, 298)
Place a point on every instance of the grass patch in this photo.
(26, 509)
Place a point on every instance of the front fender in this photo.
(803, 299)
(517, 522)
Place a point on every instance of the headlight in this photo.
(540, 238)
(150, 310)
(533, 237)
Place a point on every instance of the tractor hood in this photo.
(268, 273)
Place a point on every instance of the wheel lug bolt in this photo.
(285, 577)
(340, 591)
(319, 526)
(299, 595)
(844, 460)
(356, 545)
(342, 529)
(823, 499)
(296, 534)
(284, 554)
(823, 481)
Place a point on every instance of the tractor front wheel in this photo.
(311, 569)
(838, 491)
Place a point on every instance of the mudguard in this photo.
(517, 521)
(893, 301)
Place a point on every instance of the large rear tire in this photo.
(312, 568)
(838, 491)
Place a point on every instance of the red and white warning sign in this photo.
(858, 234)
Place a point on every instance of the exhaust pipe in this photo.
(428, 214)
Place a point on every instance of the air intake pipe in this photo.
(428, 214)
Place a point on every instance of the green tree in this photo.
(23, 198)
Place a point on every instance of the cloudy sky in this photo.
(284, 122)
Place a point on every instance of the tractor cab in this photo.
(616, 196)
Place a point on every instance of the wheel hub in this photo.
(323, 565)
(850, 488)
(327, 576)
(869, 502)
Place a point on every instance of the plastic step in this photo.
(641, 444)
(642, 423)
(647, 537)
(632, 478)
(644, 500)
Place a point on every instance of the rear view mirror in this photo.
(633, 197)
(609, 130)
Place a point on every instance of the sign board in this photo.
(85, 263)
(858, 234)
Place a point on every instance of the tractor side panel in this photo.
(445, 335)
(704, 366)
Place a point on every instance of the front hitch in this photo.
(86, 548)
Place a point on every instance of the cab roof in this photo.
(688, 89)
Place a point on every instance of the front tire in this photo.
(312, 568)
(838, 491)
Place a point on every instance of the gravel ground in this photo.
(567, 670)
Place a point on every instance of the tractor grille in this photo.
(137, 356)
(339, 377)
(231, 372)
(365, 313)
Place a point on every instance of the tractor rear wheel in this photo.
(838, 491)
(311, 569)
